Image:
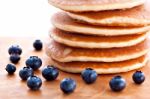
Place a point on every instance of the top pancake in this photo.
(62, 21)
(94, 5)
(137, 16)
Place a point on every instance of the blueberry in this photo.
(37, 45)
(68, 85)
(138, 77)
(25, 73)
(89, 75)
(117, 83)
(10, 68)
(15, 49)
(34, 62)
(50, 73)
(14, 58)
(34, 82)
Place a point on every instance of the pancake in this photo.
(88, 41)
(64, 53)
(62, 21)
(137, 16)
(101, 67)
(94, 5)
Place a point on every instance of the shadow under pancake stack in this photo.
(110, 36)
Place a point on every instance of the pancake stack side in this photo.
(109, 36)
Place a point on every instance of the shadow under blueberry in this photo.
(37, 72)
(23, 81)
(34, 92)
(10, 75)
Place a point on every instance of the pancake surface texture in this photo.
(94, 5)
(88, 41)
(137, 16)
(64, 53)
(62, 21)
(100, 67)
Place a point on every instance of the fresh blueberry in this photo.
(68, 85)
(15, 49)
(138, 77)
(37, 45)
(89, 75)
(117, 83)
(34, 82)
(25, 73)
(50, 73)
(34, 62)
(14, 58)
(10, 68)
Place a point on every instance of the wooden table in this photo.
(12, 87)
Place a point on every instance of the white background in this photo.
(25, 17)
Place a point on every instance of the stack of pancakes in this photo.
(109, 36)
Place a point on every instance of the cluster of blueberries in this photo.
(50, 73)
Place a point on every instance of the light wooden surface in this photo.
(11, 87)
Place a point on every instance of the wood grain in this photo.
(12, 87)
